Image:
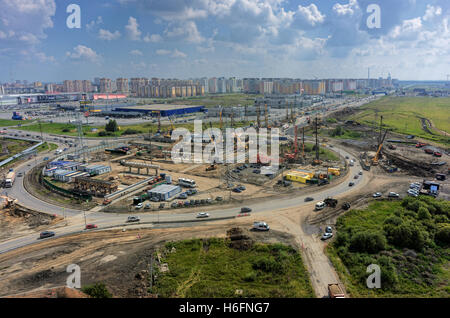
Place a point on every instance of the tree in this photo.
(368, 242)
(97, 290)
(112, 126)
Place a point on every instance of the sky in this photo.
(243, 38)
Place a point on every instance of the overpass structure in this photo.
(139, 166)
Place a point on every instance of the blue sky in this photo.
(243, 38)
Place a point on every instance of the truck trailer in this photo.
(9, 179)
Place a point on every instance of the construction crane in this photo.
(317, 161)
(380, 146)
(258, 119)
(172, 128)
(292, 157)
(266, 117)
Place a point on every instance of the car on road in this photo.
(202, 215)
(183, 196)
(20, 174)
(328, 229)
(91, 226)
(139, 206)
(326, 236)
(351, 184)
(133, 219)
(360, 172)
(308, 199)
(356, 177)
(147, 206)
(46, 234)
(377, 195)
(245, 210)
(393, 195)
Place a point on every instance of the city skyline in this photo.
(242, 38)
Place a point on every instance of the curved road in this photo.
(112, 219)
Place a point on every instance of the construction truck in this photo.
(335, 291)
(331, 202)
(211, 167)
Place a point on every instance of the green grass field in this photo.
(408, 239)
(211, 268)
(14, 147)
(10, 122)
(403, 115)
(143, 128)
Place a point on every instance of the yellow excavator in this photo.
(380, 146)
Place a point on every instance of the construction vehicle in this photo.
(429, 151)
(334, 171)
(292, 157)
(345, 206)
(380, 146)
(335, 291)
(106, 201)
(331, 202)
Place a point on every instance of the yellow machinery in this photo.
(375, 159)
(334, 171)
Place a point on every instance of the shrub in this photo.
(405, 235)
(97, 290)
(368, 242)
(112, 126)
(423, 213)
(65, 130)
(443, 235)
(131, 131)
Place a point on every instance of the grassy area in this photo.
(71, 130)
(211, 100)
(211, 268)
(47, 147)
(408, 239)
(14, 146)
(10, 122)
(403, 115)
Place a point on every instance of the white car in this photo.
(412, 193)
(393, 195)
(139, 206)
(377, 195)
(261, 226)
(320, 205)
(326, 236)
(202, 215)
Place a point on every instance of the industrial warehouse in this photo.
(162, 109)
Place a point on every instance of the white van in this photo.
(320, 205)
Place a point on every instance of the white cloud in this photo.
(311, 14)
(186, 30)
(91, 25)
(27, 19)
(82, 52)
(43, 58)
(346, 9)
(132, 29)
(136, 53)
(152, 38)
(177, 54)
(432, 12)
(163, 52)
(108, 35)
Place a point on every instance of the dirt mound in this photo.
(239, 238)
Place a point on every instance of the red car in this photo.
(437, 154)
(91, 226)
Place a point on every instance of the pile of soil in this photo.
(239, 239)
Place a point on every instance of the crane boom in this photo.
(375, 159)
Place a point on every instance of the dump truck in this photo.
(335, 291)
